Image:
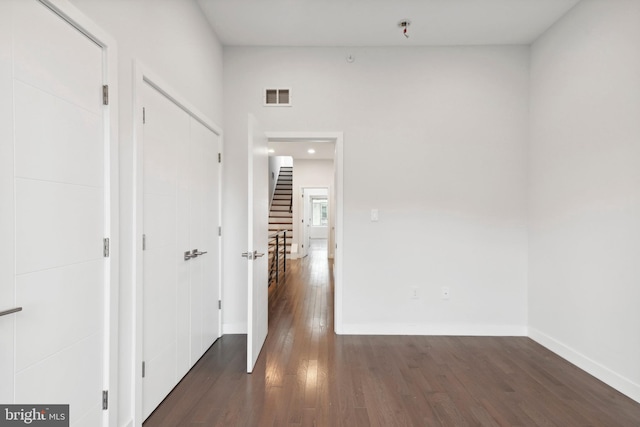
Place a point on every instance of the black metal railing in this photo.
(277, 257)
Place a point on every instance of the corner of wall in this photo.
(604, 374)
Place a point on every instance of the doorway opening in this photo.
(317, 164)
(316, 221)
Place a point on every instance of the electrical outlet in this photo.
(414, 292)
(445, 292)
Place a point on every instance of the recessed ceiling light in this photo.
(271, 150)
(311, 151)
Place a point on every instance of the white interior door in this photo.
(165, 340)
(204, 194)
(7, 211)
(181, 248)
(58, 179)
(258, 214)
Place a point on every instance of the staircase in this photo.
(280, 216)
(281, 220)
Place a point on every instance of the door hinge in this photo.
(105, 95)
(144, 371)
(219, 157)
(144, 242)
(219, 304)
(144, 115)
(105, 247)
(105, 399)
(219, 231)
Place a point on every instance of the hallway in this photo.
(307, 375)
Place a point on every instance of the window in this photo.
(319, 217)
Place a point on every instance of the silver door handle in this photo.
(188, 256)
(252, 255)
(13, 310)
(256, 254)
(195, 253)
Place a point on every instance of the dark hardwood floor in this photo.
(307, 375)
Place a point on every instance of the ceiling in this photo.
(375, 22)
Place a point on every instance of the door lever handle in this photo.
(252, 255)
(13, 310)
(188, 256)
(195, 253)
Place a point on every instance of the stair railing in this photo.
(277, 257)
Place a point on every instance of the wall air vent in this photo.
(277, 97)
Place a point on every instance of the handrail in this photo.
(13, 310)
(277, 256)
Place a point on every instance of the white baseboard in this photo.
(442, 330)
(129, 424)
(604, 374)
(234, 328)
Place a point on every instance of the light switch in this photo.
(374, 215)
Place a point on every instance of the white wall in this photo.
(585, 190)
(173, 39)
(435, 138)
(311, 174)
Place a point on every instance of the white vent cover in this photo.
(277, 97)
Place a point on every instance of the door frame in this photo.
(76, 18)
(338, 199)
(144, 75)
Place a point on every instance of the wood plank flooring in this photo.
(308, 376)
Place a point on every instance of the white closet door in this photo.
(196, 169)
(165, 287)
(180, 214)
(211, 240)
(7, 246)
(60, 213)
(204, 222)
